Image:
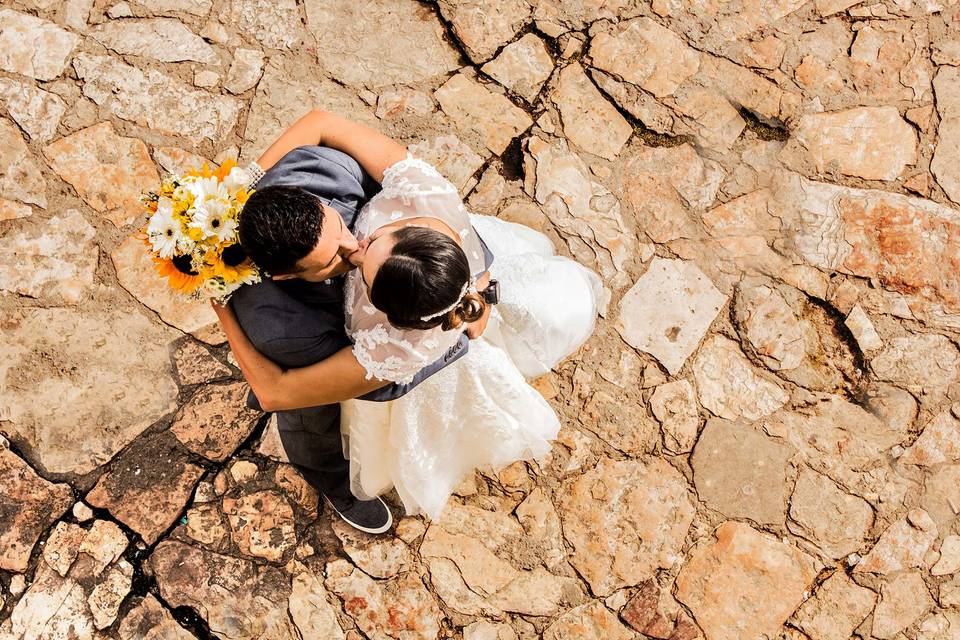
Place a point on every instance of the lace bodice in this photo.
(411, 189)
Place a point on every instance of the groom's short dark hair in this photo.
(280, 225)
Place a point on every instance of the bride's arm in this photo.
(374, 151)
(335, 379)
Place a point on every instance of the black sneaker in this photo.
(369, 516)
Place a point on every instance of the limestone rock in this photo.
(109, 172)
(205, 525)
(148, 486)
(540, 520)
(377, 556)
(483, 630)
(52, 349)
(175, 161)
(20, 174)
(675, 405)
(949, 561)
(945, 158)
(150, 98)
(589, 121)
(653, 612)
(282, 95)
(741, 472)
(875, 143)
(829, 516)
(399, 608)
(483, 27)
(163, 39)
(137, 273)
(38, 112)
(919, 361)
(195, 365)
(275, 23)
(626, 428)
(901, 546)
(580, 207)
(771, 326)
(215, 421)
(476, 110)
(245, 70)
(523, 66)
(625, 520)
(236, 597)
(942, 625)
(54, 262)
(673, 329)
(105, 599)
(745, 584)
(13, 210)
(395, 104)
(357, 59)
(262, 524)
(863, 330)
(194, 7)
(591, 621)
(33, 47)
(941, 493)
(728, 386)
(902, 601)
(645, 54)
(455, 160)
(939, 442)
(149, 620)
(310, 609)
(837, 607)
(28, 506)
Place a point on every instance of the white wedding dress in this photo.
(479, 410)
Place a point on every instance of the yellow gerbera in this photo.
(179, 274)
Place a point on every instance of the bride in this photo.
(419, 283)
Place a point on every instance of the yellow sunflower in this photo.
(179, 273)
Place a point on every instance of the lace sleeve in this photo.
(413, 188)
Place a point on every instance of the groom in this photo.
(297, 227)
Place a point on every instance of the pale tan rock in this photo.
(523, 66)
(715, 122)
(745, 584)
(868, 142)
(176, 161)
(484, 630)
(402, 102)
(580, 206)
(476, 110)
(356, 59)
(772, 328)
(938, 442)
(194, 7)
(835, 520)
(901, 546)
(645, 54)
(149, 620)
(837, 607)
(243, 471)
(664, 185)
(245, 70)
(74, 441)
(310, 609)
(674, 404)
(829, 7)
(206, 79)
(20, 176)
(889, 61)
(941, 494)
(540, 520)
(151, 99)
(377, 556)
(483, 27)
(284, 93)
(598, 509)
(741, 472)
(138, 275)
(918, 361)
(195, 365)
(591, 621)
(103, 543)
(765, 53)
(753, 15)
(54, 262)
(120, 10)
(215, 421)
(163, 39)
(262, 524)
(942, 625)
(728, 386)
(109, 172)
(270, 445)
(454, 159)
(743, 87)
(34, 47)
(902, 601)
(589, 121)
(38, 112)
(945, 157)
(672, 330)
(52, 607)
(638, 103)
(10, 210)
(920, 184)
(863, 330)
(627, 429)
(949, 561)
(105, 599)
(274, 23)
(397, 608)
(205, 525)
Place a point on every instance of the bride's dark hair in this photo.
(425, 273)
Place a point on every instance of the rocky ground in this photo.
(762, 440)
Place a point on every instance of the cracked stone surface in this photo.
(759, 440)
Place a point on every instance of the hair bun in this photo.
(470, 309)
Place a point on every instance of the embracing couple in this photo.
(396, 332)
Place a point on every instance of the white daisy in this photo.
(164, 230)
(237, 179)
(212, 218)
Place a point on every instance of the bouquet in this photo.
(192, 232)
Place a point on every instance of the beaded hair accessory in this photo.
(469, 287)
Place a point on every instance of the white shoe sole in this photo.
(382, 529)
